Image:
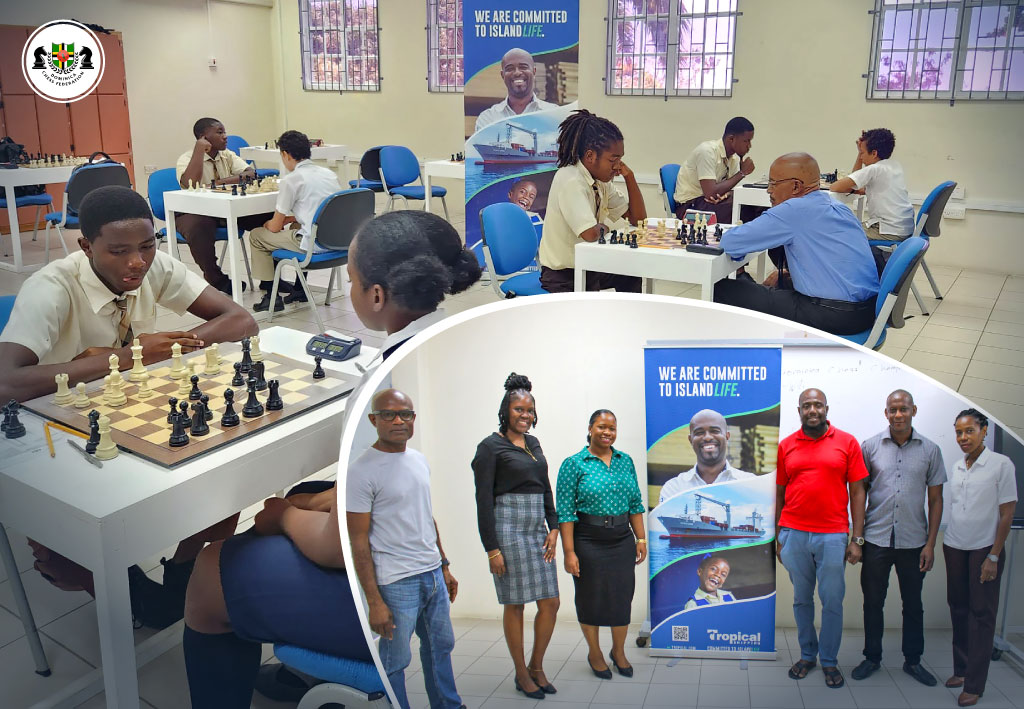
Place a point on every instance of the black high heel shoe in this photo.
(624, 671)
(601, 674)
(546, 688)
(535, 694)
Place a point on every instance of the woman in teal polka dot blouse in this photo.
(601, 518)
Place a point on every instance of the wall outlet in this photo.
(212, 63)
(958, 192)
(955, 211)
(150, 169)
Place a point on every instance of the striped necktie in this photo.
(125, 336)
(597, 202)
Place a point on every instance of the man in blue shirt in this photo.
(834, 277)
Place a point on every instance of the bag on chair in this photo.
(11, 154)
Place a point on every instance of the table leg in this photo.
(647, 285)
(762, 260)
(117, 641)
(735, 209)
(579, 279)
(172, 234)
(707, 288)
(426, 190)
(21, 600)
(12, 215)
(236, 282)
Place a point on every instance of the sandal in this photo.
(800, 669)
(833, 677)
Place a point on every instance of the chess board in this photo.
(653, 238)
(140, 426)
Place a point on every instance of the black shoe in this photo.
(865, 669)
(624, 671)
(225, 286)
(920, 674)
(282, 286)
(153, 606)
(277, 682)
(601, 674)
(296, 296)
(264, 304)
(546, 688)
(744, 277)
(535, 694)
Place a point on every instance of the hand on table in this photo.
(156, 346)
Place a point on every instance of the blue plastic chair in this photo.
(669, 174)
(83, 180)
(510, 244)
(236, 143)
(6, 306)
(352, 683)
(399, 168)
(166, 180)
(896, 280)
(369, 171)
(33, 200)
(927, 226)
(335, 224)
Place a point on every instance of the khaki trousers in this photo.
(263, 243)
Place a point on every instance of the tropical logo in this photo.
(63, 61)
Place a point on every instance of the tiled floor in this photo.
(973, 341)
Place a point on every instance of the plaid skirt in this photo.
(521, 528)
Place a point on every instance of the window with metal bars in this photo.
(339, 41)
(671, 47)
(927, 49)
(444, 46)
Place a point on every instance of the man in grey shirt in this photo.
(905, 469)
(398, 555)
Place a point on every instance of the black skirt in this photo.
(604, 588)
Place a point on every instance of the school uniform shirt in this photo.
(586, 484)
(576, 202)
(691, 479)
(64, 308)
(225, 164)
(502, 110)
(888, 204)
(708, 161)
(974, 498)
(701, 597)
(300, 194)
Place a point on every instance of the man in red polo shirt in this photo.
(816, 467)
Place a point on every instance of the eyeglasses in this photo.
(389, 415)
(772, 183)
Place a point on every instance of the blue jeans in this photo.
(811, 557)
(421, 603)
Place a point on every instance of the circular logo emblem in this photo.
(63, 61)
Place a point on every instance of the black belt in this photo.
(844, 305)
(603, 520)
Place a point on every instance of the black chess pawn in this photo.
(94, 432)
(230, 418)
(318, 371)
(266, 146)
(178, 435)
(253, 407)
(195, 393)
(213, 184)
(205, 401)
(186, 420)
(234, 190)
(199, 425)
(15, 428)
(600, 238)
(246, 357)
(258, 369)
(274, 401)
(173, 403)
(238, 380)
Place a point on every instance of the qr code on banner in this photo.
(680, 633)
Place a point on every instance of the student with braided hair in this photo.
(582, 198)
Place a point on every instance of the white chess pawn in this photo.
(144, 392)
(184, 387)
(212, 361)
(81, 399)
(63, 397)
(106, 448)
(254, 349)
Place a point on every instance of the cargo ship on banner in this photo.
(701, 526)
(507, 152)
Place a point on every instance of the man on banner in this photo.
(817, 465)
(905, 469)
(709, 436)
(518, 71)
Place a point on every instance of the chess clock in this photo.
(333, 348)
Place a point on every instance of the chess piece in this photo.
(15, 428)
(177, 367)
(237, 380)
(194, 394)
(191, 187)
(173, 403)
(243, 189)
(274, 401)
(230, 418)
(183, 388)
(94, 432)
(600, 238)
(186, 420)
(178, 435)
(253, 407)
(138, 372)
(254, 349)
(205, 401)
(144, 392)
(212, 361)
(199, 425)
(81, 399)
(318, 371)
(63, 397)
(258, 372)
(105, 449)
(246, 356)
(7, 415)
(234, 190)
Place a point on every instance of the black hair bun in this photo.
(518, 381)
(465, 271)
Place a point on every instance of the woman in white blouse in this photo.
(983, 496)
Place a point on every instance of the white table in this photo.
(656, 263)
(758, 197)
(331, 154)
(214, 203)
(108, 519)
(9, 179)
(440, 168)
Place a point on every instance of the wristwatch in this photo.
(994, 558)
(445, 562)
(859, 541)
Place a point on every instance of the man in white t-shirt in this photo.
(890, 215)
(709, 436)
(518, 71)
(398, 554)
(301, 192)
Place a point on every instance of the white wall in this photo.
(587, 354)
